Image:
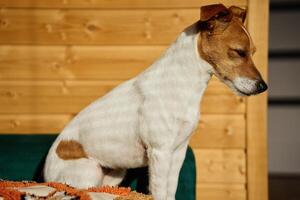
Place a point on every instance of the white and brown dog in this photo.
(149, 119)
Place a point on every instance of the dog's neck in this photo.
(180, 75)
(184, 55)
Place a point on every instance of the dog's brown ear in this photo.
(238, 12)
(212, 13)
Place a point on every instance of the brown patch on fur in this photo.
(70, 150)
(225, 43)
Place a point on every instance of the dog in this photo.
(149, 119)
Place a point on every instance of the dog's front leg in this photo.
(177, 161)
(158, 132)
(159, 167)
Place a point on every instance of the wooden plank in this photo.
(15, 89)
(222, 104)
(224, 192)
(221, 191)
(39, 105)
(220, 131)
(81, 62)
(95, 27)
(220, 166)
(13, 104)
(75, 62)
(216, 87)
(79, 88)
(33, 124)
(114, 3)
(257, 165)
(215, 137)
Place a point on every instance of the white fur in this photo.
(244, 85)
(147, 120)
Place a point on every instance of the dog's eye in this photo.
(241, 53)
(237, 53)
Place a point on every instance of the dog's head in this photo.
(227, 46)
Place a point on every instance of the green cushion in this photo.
(22, 158)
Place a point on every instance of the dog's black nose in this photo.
(261, 86)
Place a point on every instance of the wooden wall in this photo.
(58, 56)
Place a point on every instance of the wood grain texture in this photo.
(33, 124)
(81, 88)
(75, 62)
(94, 27)
(220, 166)
(80, 63)
(211, 133)
(219, 104)
(15, 89)
(220, 131)
(221, 191)
(43, 105)
(13, 103)
(114, 3)
(37, 97)
(257, 175)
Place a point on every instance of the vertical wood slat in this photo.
(258, 12)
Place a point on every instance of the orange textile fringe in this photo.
(13, 194)
(123, 191)
(10, 194)
(4, 184)
(69, 190)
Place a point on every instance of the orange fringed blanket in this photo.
(10, 190)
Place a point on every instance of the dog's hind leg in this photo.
(113, 177)
(79, 173)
